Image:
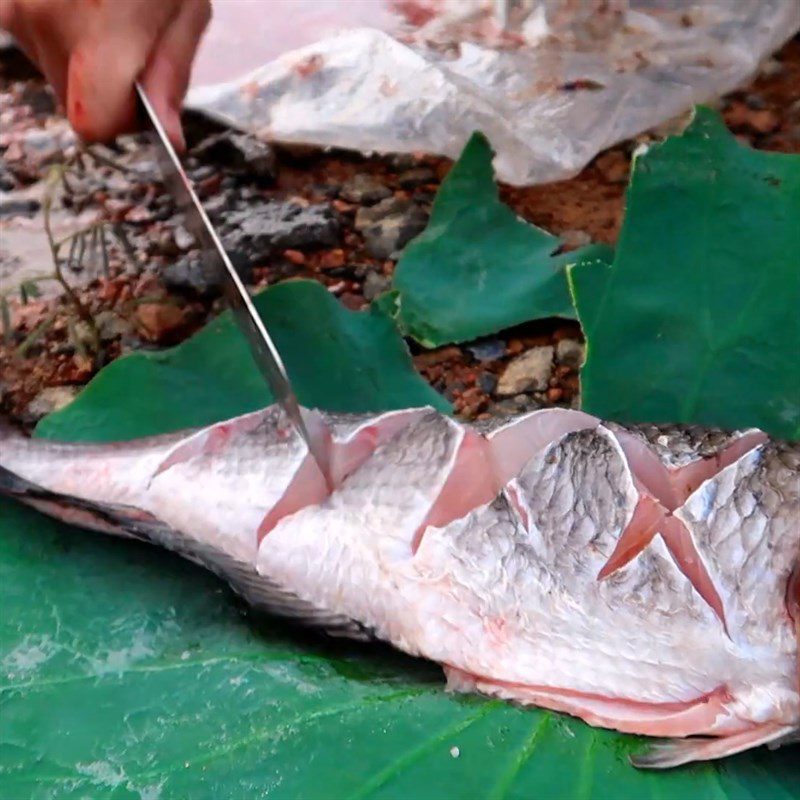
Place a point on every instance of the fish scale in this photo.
(642, 578)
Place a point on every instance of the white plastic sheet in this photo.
(564, 80)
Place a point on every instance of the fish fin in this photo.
(257, 590)
(664, 755)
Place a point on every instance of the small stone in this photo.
(255, 233)
(738, 115)
(375, 284)
(419, 176)
(18, 208)
(388, 226)
(573, 239)
(487, 382)
(238, 151)
(294, 257)
(488, 350)
(528, 372)
(614, 166)
(365, 190)
(217, 206)
(439, 356)
(183, 239)
(352, 301)
(401, 162)
(193, 274)
(554, 394)
(111, 326)
(332, 259)
(159, 321)
(570, 353)
(49, 400)
(7, 180)
(39, 99)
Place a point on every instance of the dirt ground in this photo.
(146, 291)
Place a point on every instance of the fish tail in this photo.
(667, 754)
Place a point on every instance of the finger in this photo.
(103, 68)
(39, 35)
(166, 77)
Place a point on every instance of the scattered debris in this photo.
(19, 208)
(111, 326)
(416, 177)
(530, 371)
(570, 353)
(274, 225)
(336, 217)
(54, 398)
(193, 274)
(160, 322)
(389, 226)
(376, 284)
(488, 349)
(364, 189)
(238, 151)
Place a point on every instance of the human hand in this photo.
(93, 51)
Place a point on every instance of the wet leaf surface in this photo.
(337, 359)
(129, 673)
(696, 319)
(478, 267)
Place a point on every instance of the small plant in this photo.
(69, 252)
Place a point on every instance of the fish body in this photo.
(641, 578)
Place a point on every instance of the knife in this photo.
(262, 348)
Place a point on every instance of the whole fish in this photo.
(642, 578)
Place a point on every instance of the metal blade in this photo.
(262, 348)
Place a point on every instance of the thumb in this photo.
(168, 71)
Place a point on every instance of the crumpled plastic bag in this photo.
(564, 80)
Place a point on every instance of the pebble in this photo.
(419, 176)
(488, 350)
(7, 180)
(574, 238)
(194, 274)
(375, 284)
(570, 353)
(111, 326)
(276, 225)
(183, 239)
(364, 189)
(528, 372)
(54, 398)
(39, 99)
(159, 321)
(614, 166)
(388, 226)
(487, 382)
(433, 357)
(19, 208)
(238, 151)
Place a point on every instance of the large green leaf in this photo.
(478, 267)
(339, 360)
(128, 673)
(698, 318)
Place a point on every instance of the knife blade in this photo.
(262, 348)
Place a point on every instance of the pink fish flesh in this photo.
(641, 578)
